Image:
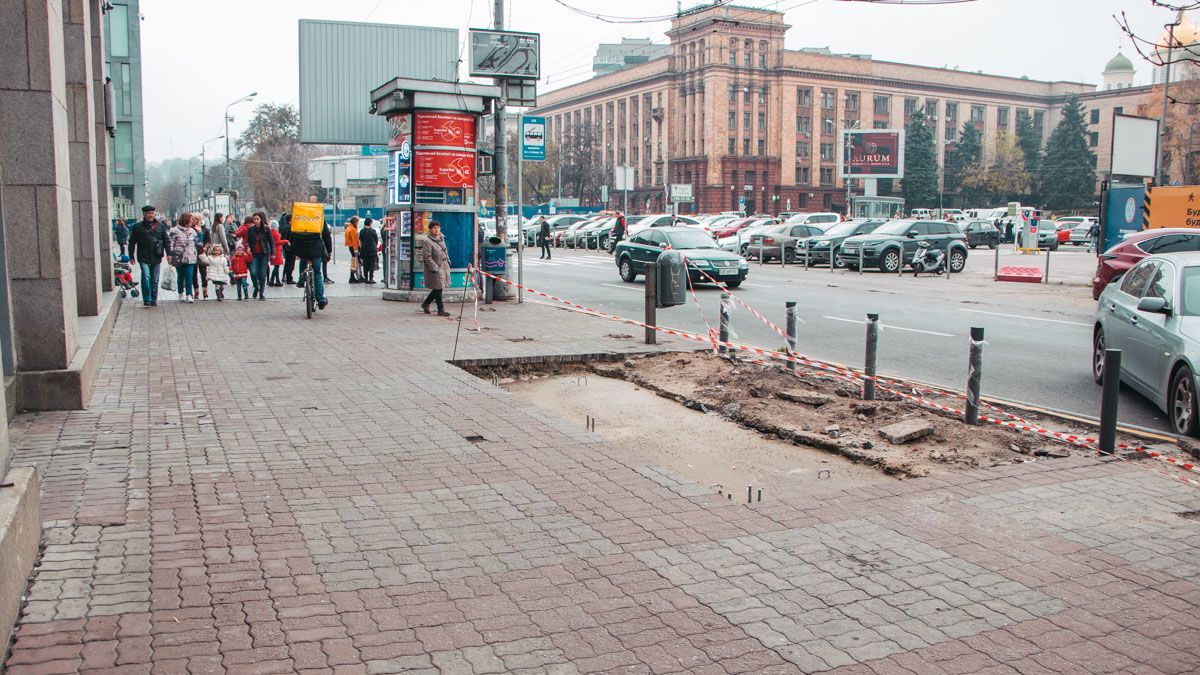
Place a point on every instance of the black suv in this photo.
(893, 245)
(821, 247)
(982, 233)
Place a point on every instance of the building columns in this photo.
(39, 227)
(103, 187)
(81, 113)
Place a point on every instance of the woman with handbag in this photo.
(183, 253)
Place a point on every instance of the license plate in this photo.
(729, 272)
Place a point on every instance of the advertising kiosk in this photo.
(431, 177)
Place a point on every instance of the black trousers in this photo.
(434, 296)
(545, 248)
(289, 264)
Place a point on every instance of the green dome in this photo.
(1119, 64)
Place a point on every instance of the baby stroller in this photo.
(123, 275)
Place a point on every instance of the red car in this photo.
(731, 228)
(1117, 260)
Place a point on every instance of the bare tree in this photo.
(278, 164)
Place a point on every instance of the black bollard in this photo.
(974, 375)
(790, 311)
(651, 302)
(1108, 401)
(724, 331)
(872, 351)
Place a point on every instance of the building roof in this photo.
(1118, 64)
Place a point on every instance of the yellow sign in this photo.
(1172, 207)
(307, 218)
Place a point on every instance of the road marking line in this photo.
(889, 326)
(1021, 316)
(624, 288)
(756, 285)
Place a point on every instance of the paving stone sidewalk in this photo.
(252, 492)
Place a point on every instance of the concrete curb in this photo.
(20, 535)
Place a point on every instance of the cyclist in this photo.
(310, 248)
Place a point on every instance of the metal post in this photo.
(974, 375)
(860, 259)
(806, 248)
(870, 361)
(996, 269)
(501, 142)
(782, 255)
(790, 311)
(1160, 178)
(651, 302)
(1109, 397)
(520, 220)
(749, 493)
(724, 331)
(1046, 278)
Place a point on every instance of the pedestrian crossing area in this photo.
(592, 261)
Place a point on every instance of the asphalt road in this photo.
(1038, 337)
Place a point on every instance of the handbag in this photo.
(167, 284)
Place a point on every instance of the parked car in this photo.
(596, 235)
(1075, 221)
(895, 242)
(1081, 234)
(918, 214)
(780, 241)
(953, 215)
(572, 238)
(633, 254)
(1047, 235)
(657, 220)
(820, 248)
(557, 222)
(1117, 260)
(981, 233)
(740, 240)
(558, 237)
(731, 227)
(1153, 317)
(826, 218)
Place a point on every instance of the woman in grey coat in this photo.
(436, 262)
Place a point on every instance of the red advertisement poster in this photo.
(453, 129)
(444, 168)
(875, 154)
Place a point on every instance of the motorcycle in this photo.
(928, 259)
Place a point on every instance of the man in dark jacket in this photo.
(289, 258)
(368, 251)
(543, 238)
(147, 244)
(327, 239)
(313, 249)
(618, 232)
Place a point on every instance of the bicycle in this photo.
(310, 291)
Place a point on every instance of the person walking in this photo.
(218, 267)
(436, 261)
(618, 232)
(368, 252)
(231, 228)
(289, 260)
(350, 238)
(256, 235)
(1094, 237)
(218, 235)
(327, 240)
(121, 233)
(543, 237)
(147, 245)
(277, 254)
(239, 267)
(183, 255)
(200, 271)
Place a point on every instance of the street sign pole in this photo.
(520, 211)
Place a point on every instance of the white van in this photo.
(823, 218)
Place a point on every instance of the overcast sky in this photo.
(200, 56)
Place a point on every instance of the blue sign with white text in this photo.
(533, 138)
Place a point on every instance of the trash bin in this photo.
(671, 279)
(494, 261)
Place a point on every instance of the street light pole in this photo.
(1162, 131)
(228, 167)
(203, 169)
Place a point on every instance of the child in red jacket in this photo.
(239, 268)
(277, 257)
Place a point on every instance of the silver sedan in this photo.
(1153, 317)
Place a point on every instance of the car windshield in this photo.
(690, 239)
(1190, 297)
(895, 227)
(846, 229)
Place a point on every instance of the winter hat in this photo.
(240, 248)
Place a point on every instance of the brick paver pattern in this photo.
(252, 492)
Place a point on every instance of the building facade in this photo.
(123, 56)
(751, 125)
(629, 52)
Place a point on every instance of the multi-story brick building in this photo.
(744, 120)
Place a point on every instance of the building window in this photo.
(803, 177)
(804, 125)
(951, 133)
(804, 97)
(762, 122)
(826, 177)
(883, 105)
(951, 113)
(733, 57)
(931, 109)
(828, 100)
(1118, 110)
(746, 58)
(123, 148)
(910, 107)
(803, 149)
(746, 95)
(762, 147)
(118, 31)
(851, 101)
(732, 94)
(977, 113)
(750, 177)
(826, 152)
(732, 120)
(1093, 139)
(1039, 120)
(1002, 117)
(732, 145)
(879, 125)
(828, 128)
(746, 121)
(849, 124)
(1095, 113)
(762, 95)
(745, 146)
(801, 200)
(762, 60)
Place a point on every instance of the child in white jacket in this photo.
(218, 268)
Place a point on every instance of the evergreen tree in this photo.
(920, 164)
(1069, 168)
(965, 154)
(1029, 139)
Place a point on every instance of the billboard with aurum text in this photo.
(873, 153)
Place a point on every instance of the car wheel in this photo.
(1054, 246)
(971, 246)
(890, 261)
(1098, 355)
(627, 273)
(993, 244)
(789, 255)
(837, 263)
(958, 260)
(1182, 404)
(733, 283)
(745, 250)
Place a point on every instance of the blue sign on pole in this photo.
(533, 139)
